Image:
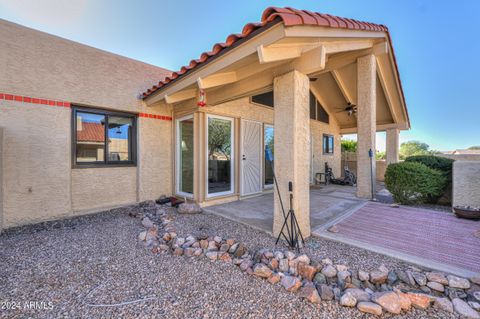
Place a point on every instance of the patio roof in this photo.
(288, 16)
(322, 46)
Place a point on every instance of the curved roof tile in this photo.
(289, 17)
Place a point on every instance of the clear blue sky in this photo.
(436, 42)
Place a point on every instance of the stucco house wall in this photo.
(39, 182)
(466, 183)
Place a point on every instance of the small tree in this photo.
(349, 146)
(412, 148)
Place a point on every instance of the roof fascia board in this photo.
(307, 31)
(266, 37)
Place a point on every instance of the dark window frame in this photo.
(319, 110)
(326, 146)
(132, 150)
(263, 95)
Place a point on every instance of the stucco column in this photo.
(392, 146)
(366, 123)
(292, 147)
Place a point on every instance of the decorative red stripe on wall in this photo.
(155, 116)
(27, 99)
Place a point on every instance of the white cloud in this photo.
(46, 12)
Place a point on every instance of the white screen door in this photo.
(251, 158)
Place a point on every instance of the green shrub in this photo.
(444, 165)
(412, 183)
(436, 162)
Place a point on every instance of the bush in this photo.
(444, 165)
(436, 162)
(413, 183)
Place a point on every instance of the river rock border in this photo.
(374, 292)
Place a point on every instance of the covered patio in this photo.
(302, 79)
(327, 205)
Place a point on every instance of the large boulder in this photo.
(291, 283)
(189, 208)
(462, 308)
(261, 270)
(369, 307)
(457, 282)
(419, 300)
(388, 300)
(310, 293)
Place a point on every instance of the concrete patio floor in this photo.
(327, 205)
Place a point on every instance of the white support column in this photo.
(292, 147)
(392, 146)
(366, 123)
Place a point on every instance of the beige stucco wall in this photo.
(318, 161)
(94, 188)
(155, 158)
(466, 183)
(39, 181)
(37, 162)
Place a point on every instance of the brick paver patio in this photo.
(437, 236)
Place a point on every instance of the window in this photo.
(185, 162)
(219, 156)
(265, 99)
(268, 135)
(317, 112)
(328, 144)
(103, 138)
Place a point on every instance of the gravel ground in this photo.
(84, 263)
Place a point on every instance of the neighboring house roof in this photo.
(91, 132)
(270, 16)
(466, 152)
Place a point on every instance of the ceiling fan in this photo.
(351, 109)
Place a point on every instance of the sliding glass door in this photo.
(185, 162)
(220, 164)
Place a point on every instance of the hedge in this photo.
(445, 165)
(414, 183)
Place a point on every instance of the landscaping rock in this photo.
(419, 300)
(319, 278)
(278, 255)
(189, 251)
(359, 294)
(344, 276)
(178, 251)
(347, 300)
(326, 292)
(378, 277)
(212, 255)
(363, 275)
(369, 307)
(147, 223)
(435, 286)
(246, 264)
(142, 236)
(474, 305)
(310, 293)
(224, 248)
(303, 259)
(274, 278)
(411, 280)
(457, 282)
(273, 264)
(283, 265)
(241, 250)
(341, 268)
(329, 271)
(420, 278)
(443, 304)
(462, 308)
(327, 261)
(333, 229)
(392, 277)
(305, 270)
(388, 300)
(189, 208)
(262, 271)
(476, 295)
(217, 239)
(290, 255)
(437, 277)
(405, 302)
(475, 280)
(291, 283)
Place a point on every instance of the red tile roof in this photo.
(91, 132)
(272, 15)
